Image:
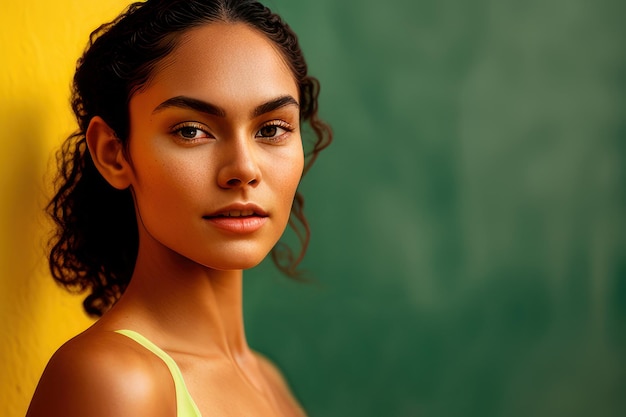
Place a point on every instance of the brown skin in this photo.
(186, 291)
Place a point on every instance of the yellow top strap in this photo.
(185, 406)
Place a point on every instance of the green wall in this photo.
(468, 221)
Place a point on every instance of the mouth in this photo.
(238, 210)
(238, 213)
(238, 218)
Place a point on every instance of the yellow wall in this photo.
(39, 43)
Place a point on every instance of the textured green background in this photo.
(469, 220)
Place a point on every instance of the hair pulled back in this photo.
(95, 244)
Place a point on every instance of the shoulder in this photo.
(270, 370)
(280, 387)
(104, 374)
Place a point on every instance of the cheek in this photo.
(166, 181)
(288, 188)
(288, 174)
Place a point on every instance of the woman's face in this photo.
(215, 148)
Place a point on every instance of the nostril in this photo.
(236, 182)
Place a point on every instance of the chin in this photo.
(238, 263)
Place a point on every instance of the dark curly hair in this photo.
(95, 244)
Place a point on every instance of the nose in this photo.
(240, 167)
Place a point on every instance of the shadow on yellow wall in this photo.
(40, 42)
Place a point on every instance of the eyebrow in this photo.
(185, 102)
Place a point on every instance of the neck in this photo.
(184, 306)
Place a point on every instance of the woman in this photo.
(183, 173)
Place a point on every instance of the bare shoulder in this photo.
(280, 386)
(104, 374)
(270, 370)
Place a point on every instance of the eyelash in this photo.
(199, 128)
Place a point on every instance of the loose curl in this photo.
(95, 244)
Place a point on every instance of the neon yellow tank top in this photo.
(185, 406)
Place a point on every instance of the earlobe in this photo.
(107, 152)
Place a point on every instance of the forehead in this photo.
(228, 64)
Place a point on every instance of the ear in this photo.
(107, 152)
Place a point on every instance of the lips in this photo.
(238, 218)
(239, 210)
(237, 213)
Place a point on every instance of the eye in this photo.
(268, 131)
(274, 131)
(190, 132)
